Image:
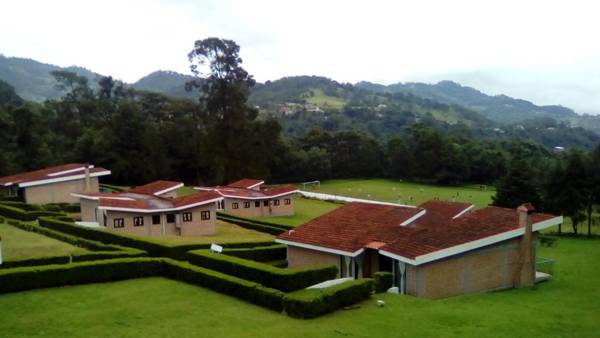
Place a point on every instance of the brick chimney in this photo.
(525, 269)
(88, 183)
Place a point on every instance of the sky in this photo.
(544, 51)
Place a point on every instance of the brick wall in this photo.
(298, 257)
(59, 192)
(248, 208)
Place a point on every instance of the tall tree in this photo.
(518, 185)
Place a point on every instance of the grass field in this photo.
(324, 101)
(304, 210)
(21, 244)
(401, 192)
(226, 233)
(567, 306)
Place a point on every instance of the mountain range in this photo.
(302, 102)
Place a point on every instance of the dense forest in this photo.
(222, 136)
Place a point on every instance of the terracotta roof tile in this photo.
(156, 187)
(243, 193)
(246, 183)
(440, 212)
(48, 173)
(151, 203)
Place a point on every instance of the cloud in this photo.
(541, 50)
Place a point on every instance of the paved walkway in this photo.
(339, 198)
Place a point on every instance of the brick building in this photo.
(246, 198)
(436, 250)
(151, 210)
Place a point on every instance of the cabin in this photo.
(436, 250)
(153, 209)
(247, 198)
(53, 185)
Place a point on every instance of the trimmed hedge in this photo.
(10, 199)
(259, 254)
(233, 286)
(62, 259)
(27, 278)
(65, 207)
(268, 275)
(316, 302)
(276, 225)
(24, 215)
(383, 280)
(154, 249)
(253, 226)
(21, 205)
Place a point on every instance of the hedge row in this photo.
(316, 302)
(237, 287)
(21, 205)
(23, 215)
(268, 275)
(259, 254)
(10, 198)
(252, 226)
(154, 249)
(272, 224)
(383, 281)
(27, 278)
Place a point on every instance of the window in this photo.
(205, 215)
(138, 221)
(266, 203)
(155, 219)
(187, 216)
(119, 223)
(257, 204)
(288, 201)
(170, 218)
(246, 205)
(275, 202)
(235, 205)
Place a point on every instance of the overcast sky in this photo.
(544, 51)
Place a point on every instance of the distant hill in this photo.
(499, 108)
(8, 94)
(166, 82)
(32, 80)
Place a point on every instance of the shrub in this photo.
(16, 213)
(276, 225)
(155, 249)
(21, 205)
(10, 199)
(253, 226)
(64, 207)
(268, 275)
(312, 303)
(61, 259)
(27, 278)
(259, 254)
(240, 288)
(383, 280)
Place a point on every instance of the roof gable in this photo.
(66, 172)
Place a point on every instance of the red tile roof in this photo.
(156, 187)
(440, 212)
(57, 172)
(242, 193)
(150, 203)
(359, 225)
(246, 183)
(353, 226)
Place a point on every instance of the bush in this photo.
(154, 249)
(315, 302)
(27, 278)
(268, 275)
(259, 254)
(24, 215)
(276, 225)
(252, 225)
(64, 207)
(21, 205)
(62, 259)
(240, 288)
(10, 199)
(383, 281)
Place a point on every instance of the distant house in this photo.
(438, 249)
(151, 210)
(246, 198)
(53, 185)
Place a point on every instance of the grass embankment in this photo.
(401, 192)
(18, 244)
(567, 306)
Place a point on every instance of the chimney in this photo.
(525, 269)
(88, 185)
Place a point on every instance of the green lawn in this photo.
(324, 101)
(186, 190)
(567, 306)
(400, 192)
(304, 210)
(226, 233)
(21, 244)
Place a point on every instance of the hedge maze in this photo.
(241, 270)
